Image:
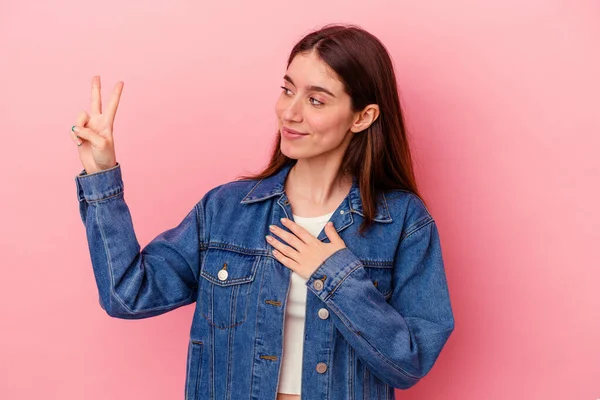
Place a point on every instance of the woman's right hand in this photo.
(95, 131)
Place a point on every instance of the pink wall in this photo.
(502, 101)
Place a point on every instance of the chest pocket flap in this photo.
(226, 267)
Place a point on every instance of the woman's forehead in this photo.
(307, 70)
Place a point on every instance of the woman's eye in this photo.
(312, 100)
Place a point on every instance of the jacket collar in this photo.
(274, 186)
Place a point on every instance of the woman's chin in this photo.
(290, 151)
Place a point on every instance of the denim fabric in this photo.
(387, 296)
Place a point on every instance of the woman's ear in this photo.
(365, 118)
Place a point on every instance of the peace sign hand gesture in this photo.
(93, 133)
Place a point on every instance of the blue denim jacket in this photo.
(386, 293)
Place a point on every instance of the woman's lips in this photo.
(292, 134)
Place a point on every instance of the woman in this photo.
(285, 303)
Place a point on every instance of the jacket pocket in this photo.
(227, 278)
(194, 370)
(382, 279)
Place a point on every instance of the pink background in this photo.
(502, 104)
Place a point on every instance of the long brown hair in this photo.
(379, 157)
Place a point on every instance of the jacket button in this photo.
(323, 313)
(321, 368)
(318, 284)
(222, 274)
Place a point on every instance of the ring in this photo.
(79, 144)
(73, 128)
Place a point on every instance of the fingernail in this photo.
(284, 220)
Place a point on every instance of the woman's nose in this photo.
(293, 112)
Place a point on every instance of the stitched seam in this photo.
(109, 262)
(329, 360)
(387, 209)
(352, 372)
(421, 224)
(230, 282)
(378, 263)
(188, 369)
(222, 327)
(199, 366)
(200, 222)
(252, 190)
(261, 252)
(198, 379)
(105, 198)
(366, 391)
(256, 331)
(211, 383)
(236, 249)
(230, 341)
(98, 172)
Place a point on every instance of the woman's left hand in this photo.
(305, 253)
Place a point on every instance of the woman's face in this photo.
(313, 102)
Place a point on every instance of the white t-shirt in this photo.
(290, 378)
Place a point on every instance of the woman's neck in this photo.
(316, 190)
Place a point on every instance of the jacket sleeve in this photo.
(134, 283)
(399, 340)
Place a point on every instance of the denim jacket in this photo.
(388, 307)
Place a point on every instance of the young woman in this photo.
(321, 276)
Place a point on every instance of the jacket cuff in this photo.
(99, 185)
(332, 272)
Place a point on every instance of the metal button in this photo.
(323, 313)
(341, 211)
(321, 368)
(223, 274)
(318, 284)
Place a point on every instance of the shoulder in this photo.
(228, 193)
(408, 210)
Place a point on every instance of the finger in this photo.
(282, 248)
(299, 231)
(288, 262)
(96, 96)
(91, 136)
(111, 109)
(74, 137)
(288, 237)
(332, 234)
(81, 120)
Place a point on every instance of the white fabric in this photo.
(290, 378)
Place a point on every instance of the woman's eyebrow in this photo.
(312, 88)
